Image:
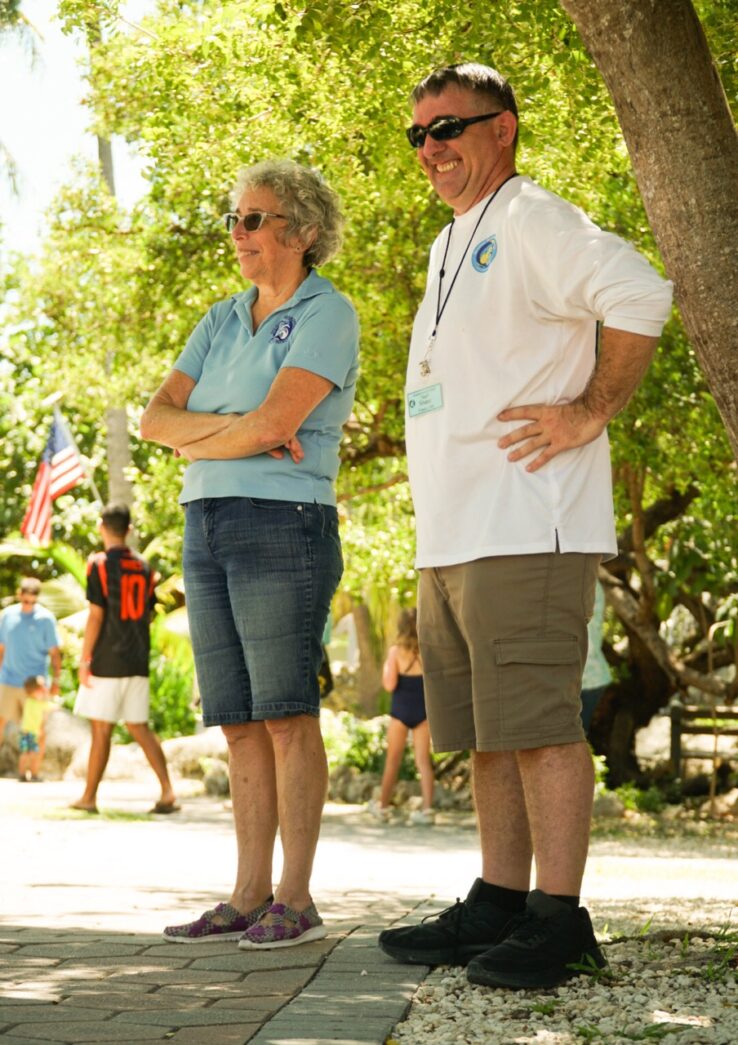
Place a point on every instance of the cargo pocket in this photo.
(539, 680)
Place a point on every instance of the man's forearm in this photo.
(56, 665)
(622, 361)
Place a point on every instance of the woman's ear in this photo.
(304, 244)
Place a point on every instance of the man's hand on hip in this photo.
(551, 429)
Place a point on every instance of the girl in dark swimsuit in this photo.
(402, 676)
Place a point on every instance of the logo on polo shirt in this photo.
(484, 254)
(283, 329)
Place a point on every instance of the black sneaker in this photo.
(547, 945)
(461, 932)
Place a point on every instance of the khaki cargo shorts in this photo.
(503, 642)
(11, 702)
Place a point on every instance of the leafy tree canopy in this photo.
(203, 89)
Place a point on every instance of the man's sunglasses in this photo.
(444, 128)
(252, 221)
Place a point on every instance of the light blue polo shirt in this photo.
(316, 330)
(27, 638)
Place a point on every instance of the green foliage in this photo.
(648, 801)
(726, 956)
(203, 89)
(546, 1008)
(361, 743)
(171, 714)
(10, 13)
(600, 768)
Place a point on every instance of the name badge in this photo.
(425, 400)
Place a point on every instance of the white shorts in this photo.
(114, 699)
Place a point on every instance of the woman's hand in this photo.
(293, 448)
(270, 428)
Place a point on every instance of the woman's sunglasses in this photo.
(252, 221)
(444, 128)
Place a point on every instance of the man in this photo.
(507, 403)
(28, 640)
(114, 666)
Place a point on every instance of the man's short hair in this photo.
(34, 682)
(470, 76)
(30, 586)
(116, 518)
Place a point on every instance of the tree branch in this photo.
(372, 489)
(627, 608)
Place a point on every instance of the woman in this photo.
(402, 676)
(256, 403)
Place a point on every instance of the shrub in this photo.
(649, 801)
(362, 743)
(171, 714)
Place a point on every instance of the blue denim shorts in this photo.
(28, 743)
(259, 578)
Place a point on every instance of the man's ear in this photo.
(507, 125)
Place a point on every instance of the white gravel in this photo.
(674, 980)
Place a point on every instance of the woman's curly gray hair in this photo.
(311, 207)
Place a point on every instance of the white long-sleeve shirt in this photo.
(519, 328)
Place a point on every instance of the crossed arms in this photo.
(294, 394)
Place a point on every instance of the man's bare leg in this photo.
(558, 783)
(151, 747)
(502, 819)
(98, 760)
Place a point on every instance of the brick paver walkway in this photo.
(84, 901)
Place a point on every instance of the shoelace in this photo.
(456, 913)
(455, 909)
(528, 926)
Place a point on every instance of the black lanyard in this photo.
(440, 308)
(424, 365)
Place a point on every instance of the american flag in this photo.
(60, 470)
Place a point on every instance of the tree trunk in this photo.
(120, 489)
(369, 675)
(119, 456)
(676, 122)
(105, 156)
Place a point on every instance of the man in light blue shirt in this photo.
(28, 639)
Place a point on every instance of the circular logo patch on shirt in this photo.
(484, 254)
(283, 329)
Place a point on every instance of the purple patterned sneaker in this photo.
(224, 922)
(281, 926)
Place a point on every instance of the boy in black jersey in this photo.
(114, 666)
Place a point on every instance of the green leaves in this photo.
(203, 89)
